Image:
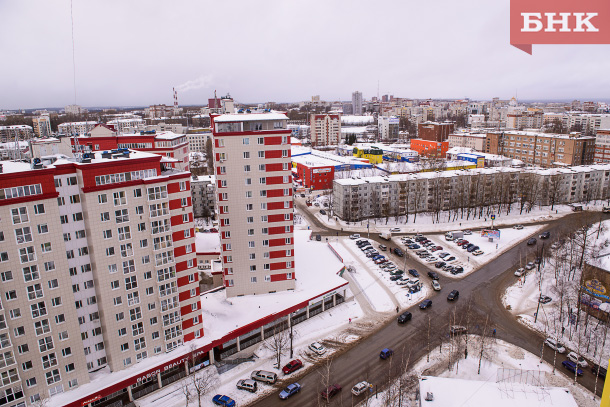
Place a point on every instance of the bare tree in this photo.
(279, 342)
(199, 382)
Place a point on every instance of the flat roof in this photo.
(249, 117)
(207, 242)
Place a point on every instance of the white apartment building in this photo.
(75, 110)
(76, 128)
(203, 192)
(198, 139)
(15, 132)
(127, 125)
(325, 129)
(254, 202)
(476, 141)
(388, 127)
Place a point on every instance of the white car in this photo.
(478, 252)
(553, 344)
(360, 388)
(555, 245)
(579, 360)
(518, 227)
(529, 265)
(354, 236)
(519, 272)
(395, 230)
(431, 259)
(318, 348)
(436, 285)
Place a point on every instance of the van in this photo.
(247, 384)
(264, 376)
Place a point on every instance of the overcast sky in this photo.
(133, 52)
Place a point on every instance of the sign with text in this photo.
(558, 22)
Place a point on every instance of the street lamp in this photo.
(291, 323)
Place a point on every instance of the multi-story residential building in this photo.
(476, 141)
(15, 132)
(98, 269)
(76, 128)
(602, 146)
(127, 125)
(434, 131)
(198, 138)
(586, 123)
(158, 111)
(42, 126)
(388, 127)
(528, 119)
(543, 149)
(254, 202)
(75, 110)
(357, 103)
(325, 129)
(203, 192)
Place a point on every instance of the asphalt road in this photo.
(483, 287)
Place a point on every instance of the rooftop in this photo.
(250, 117)
(207, 243)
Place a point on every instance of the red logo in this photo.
(559, 22)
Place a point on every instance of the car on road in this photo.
(453, 295)
(222, 400)
(579, 360)
(290, 390)
(330, 391)
(436, 285)
(404, 317)
(425, 304)
(433, 275)
(383, 247)
(599, 370)
(571, 366)
(292, 366)
(414, 272)
(545, 235)
(529, 265)
(386, 353)
(519, 272)
(518, 227)
(398, 252)
(478, 252)
(318, 348)
(395, 230)
(555, 345)
(360, 388)
(544, 299)
(354, 236)
(450, 258)
(531, 241)
(322, 212)
(458, 330)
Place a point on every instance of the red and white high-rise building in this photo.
(254, 202)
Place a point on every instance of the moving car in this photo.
(414, 272)
(519, 272)
(330, 391)
(404, 317)
(360, 388)
(386, 353)
(571, 366)
(322, 212)
(599, 370)
(383, 247)
(291, 390)
(225, 401)
(555, 345)
(398, 252)
(518, 227)
(433, 275)
(354, 236)
(425, 304)
(531, 241)
(453, 295)
(544, 299)
(318, 238)
(317, 348)
(436, 285)
(292, 366)
(579, 360)
(395, 230)
(545, 235)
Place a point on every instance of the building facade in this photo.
(16, 132)
(76, 128)
(197, 139)
(98, 268)
(388, 127)
(254, 193)
(42, 126)
(434, 131)
(525, 120)
(357, 103)
(602, 146)
(203, 192)
(543, 149)
(468, 140)
(430, 149)
(325, 129)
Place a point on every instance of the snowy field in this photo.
(498, 355)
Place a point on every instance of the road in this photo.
(484, 287)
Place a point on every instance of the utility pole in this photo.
(291, 323)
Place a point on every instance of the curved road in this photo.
(410, 341)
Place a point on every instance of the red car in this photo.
(292, 366)
(330, 391)
(463, 242)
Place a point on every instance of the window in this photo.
(105, 216)
(126, 250)
(27, 254)
(184, 202)
(260, 140)
(53, 376)
(66, 352)
(131, 283)
(261, 154)
(182, 185)
(122, 215)
(39, 209)
(15, 313)
(11, 295)
(246, 155)
(23, 349)
(74, 199)
(155, 193)
(137, 193)
(49, 360)
(67, 237)
(124, 233)
(262, 180)
(246, 168)
(20, 215)
(102, 198)
(19, 331)
(26, 365)
(112, 268)
(56, 302)
(3, 256)
(45, 247)
(72, 181)
(30, 273)
(61, 201)
(124, 347)
(119, 198)
(6, 275)
(23, 235)
(114, 284)
(78, 216)
(120, 316)
(139, 210)
(38, 310)
(63, 335)
(53, 284)
(141, 227)
(31, 382)
(45, 344)
(129, 266)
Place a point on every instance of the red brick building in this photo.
(434, 131)
(316, 177)
(426, 148)
(602, 147)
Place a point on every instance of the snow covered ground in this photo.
(500, 355)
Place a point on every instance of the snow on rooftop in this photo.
(250, 117)
(167, 135)
(354, 130)
(207, 242)
(357, 120)
(13, 167)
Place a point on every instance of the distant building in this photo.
(476, 141)
(16, 132)
(42, 126)
(525, 120)
(357, 103)
(198, 138)
(325, 129)
(158, 111)
(602, 146)
(203, 189)
(388, 127)
(75, 110)
(130, 125)
(348, 108)
(430, 149)
(434, 131)
(76, 128)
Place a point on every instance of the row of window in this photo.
(124, 177)
(24, 190)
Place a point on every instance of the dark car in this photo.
(433, 275)
(330, 391)
(425, 304)
(545, 235)
(292, 366)
(224, 401)
(472, 249)
(598, 370)
(571, 366)
(396, 277)
(459, 269)
(453, 295)
(451, 258)
(531, 241)
(386, 353)
(439, 264)
(291, 390)
(404, 317)
(322, 212)
(545, 299)
(414, 246)
(318, 238)
(467, 246)
(398, 252)
(362, 242)
(414, 272)
(420, 238)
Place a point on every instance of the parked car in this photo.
(404, 317)
(599, 370)
(458, 269)
(433, 275)
(472, 249)
(322, 212)
(330, 391)
(361, 242)
(425, 304)
(318, 238)
(544, 299)
(380, 260)
(414, 246)
(462, 242)
(291, 390)
(395, 278)
(518, 227)
(436, 285)
(292, 366)
(247, 384)
(439, 264)
(453, 295)
(360, 388)
(571, 366)
(531, 241)
(450, 258)
(458, 330)
(383, 247)
(354, 236)
(443, 255)
(529, 265)
(398, 252)
(386, 353)
(519, 272)
(468, 232)
(478, 252)
(467, 246)
(545, 235)
(222, 400)
(397, 272)
(579, 360)
(414, 272)
(431, 259)
(555, 345)
(317, 348)
(395, 230)
(372, 253)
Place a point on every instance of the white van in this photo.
(264, 376)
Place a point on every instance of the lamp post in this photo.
(291, 323)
